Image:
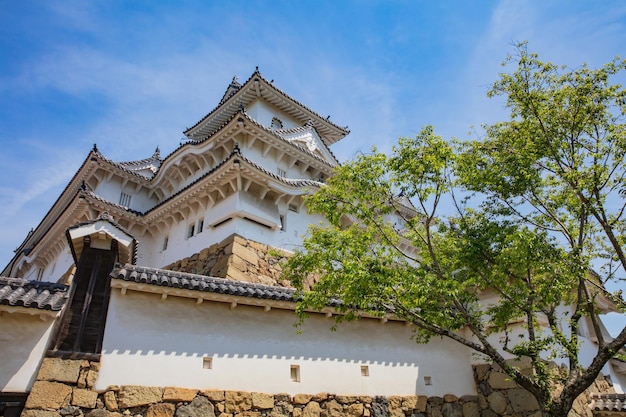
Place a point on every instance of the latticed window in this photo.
(124, 199)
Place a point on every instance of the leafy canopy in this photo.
(499, 234)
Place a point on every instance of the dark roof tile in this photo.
(608, 402)
(202, 283)
(32, 294)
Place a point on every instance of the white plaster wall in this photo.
(23, 341)
(59, 266)
(151, 253)
(111, 190)
(263, 113)
(154, 343)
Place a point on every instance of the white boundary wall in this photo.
(151, 342)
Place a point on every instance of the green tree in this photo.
(498, 235)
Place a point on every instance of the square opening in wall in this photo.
(295, 373)
(365, 370)
(428, 380)
(207, 362)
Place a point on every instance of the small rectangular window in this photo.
(282, 172)
(428, 380)
(293, 207)
(365, 370)
(295, 373)
(191, 229)
(124, 199)
(207, 362)
(200, 226)
(165, 242)
(283, 223)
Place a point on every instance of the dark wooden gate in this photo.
(82, 326)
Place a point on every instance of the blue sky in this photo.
(131, 76)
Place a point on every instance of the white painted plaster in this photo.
(162, 343)
(23, 342)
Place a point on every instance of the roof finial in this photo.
(157, 153)
(241, 107)
(95, 148)
(236, 148)
(257, 69)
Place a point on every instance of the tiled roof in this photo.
(612, 403)
(32, 294)
(236, 153)
(257, 75)
(152, 164)
(181, 280)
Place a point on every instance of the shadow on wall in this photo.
(143, 324)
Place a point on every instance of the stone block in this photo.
(49, 395)
(395, 407)
(160, 410)
(102, 413)
(283, 397)
(248, 414)
(320, 396)
(262, 401)
(39, 413)
(482, 371)
(497, 402)
(470, 409)
(355, 410)
(71, 411)
(92, 376)
(213, 395)
(420, 406)
(435, 400)
(84, 398)
(175, 394)
(332, 409)
(110, 402)
(301, 399)
(452, 409)
(133, 396)
(346, 399)
(204, 254)
(237, 401)
(434, 410)
(59, 370)
(246, 254)
(500, 380)
(449, 398)
(522, 400)
(409, 402)
(199, 407)
(258, 246)
(312, 409)
(238, 263)
(365, 399)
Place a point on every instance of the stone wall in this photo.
(64, 388)
(499, 396)
(235, 258)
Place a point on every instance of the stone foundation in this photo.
(499, 396)
(238, 259)
(64, 388)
